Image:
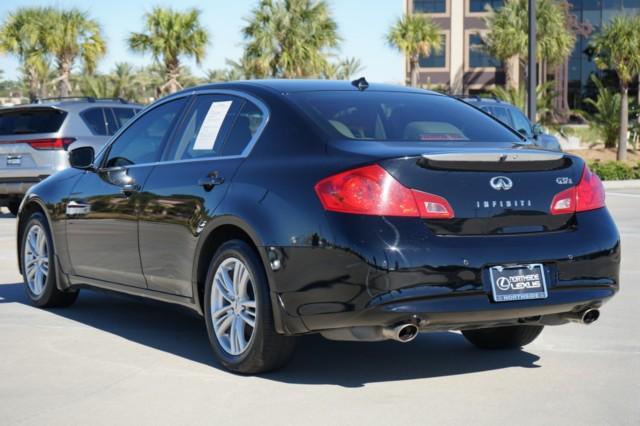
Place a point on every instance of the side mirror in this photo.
(537, 129)
(82, 158)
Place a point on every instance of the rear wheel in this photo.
(38, 266)
(503, 337)
(239, 315)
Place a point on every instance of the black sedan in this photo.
(280, 208)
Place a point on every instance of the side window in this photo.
(503, 115)
(122, 115)
(95, 120)
(245, 127)
(206, 127)
(144, 140)
(520, 122)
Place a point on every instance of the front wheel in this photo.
(38, 266)
(239, 315)
(510, 337)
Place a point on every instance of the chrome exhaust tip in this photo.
(590, 316)
(586, 317)
(402, 333)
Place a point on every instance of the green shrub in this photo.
(615, 170)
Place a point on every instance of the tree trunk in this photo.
(64, 73)
(413, 67)
(512, 72)
(173, 73)
(624, 123)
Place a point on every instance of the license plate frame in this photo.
(518, 282)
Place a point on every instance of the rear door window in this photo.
(502, 114)
(400, 116)
(244, 129)
(521, 123)
(206, 127)
(29, 121)
(95, 120)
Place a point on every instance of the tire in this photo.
(510, 337)
(43, 292)
(13, 207)
(256, 349)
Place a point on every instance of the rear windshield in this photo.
(28, 121)
(394, 116)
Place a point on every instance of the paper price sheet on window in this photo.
(211, 125)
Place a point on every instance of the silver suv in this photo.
(34, 138)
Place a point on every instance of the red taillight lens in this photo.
(53, 143)
(371, 190)
(587, 195)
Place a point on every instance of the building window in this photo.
(478, 56)
(430, 6)
(436, 59)
(480, 6)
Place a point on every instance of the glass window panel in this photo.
(436, 60)
(478, 57)
(430, 6)
(476, 6)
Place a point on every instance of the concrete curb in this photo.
(620, 184)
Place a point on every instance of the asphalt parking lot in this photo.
(111, 359)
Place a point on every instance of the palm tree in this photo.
(508, 36)
(348, 67)
(23, 35)
(289, 38)
(72, 35)
(170, 35)
(616, 48)
(415, 36)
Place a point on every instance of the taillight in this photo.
(371, 190)
(52, 143)
(587, 195)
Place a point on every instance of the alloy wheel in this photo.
(36, 259)
(233, 306)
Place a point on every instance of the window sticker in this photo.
(211, 125)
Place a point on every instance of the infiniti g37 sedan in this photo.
(360, 212)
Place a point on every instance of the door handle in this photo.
(211, 180)
(129, 189)
(77, 209)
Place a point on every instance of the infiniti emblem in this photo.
(501, 183)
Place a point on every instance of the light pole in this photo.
(531, 83)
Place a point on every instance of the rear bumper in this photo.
(464, 311)
(382, 271)
(18, 186)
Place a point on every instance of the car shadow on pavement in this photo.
(181, 332)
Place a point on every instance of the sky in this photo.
(361, 25)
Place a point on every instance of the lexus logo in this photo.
(503, 283)
(501, 183)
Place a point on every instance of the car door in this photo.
(103, 207)
(184, 190)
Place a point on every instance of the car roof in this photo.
(477, 100)
(305, 85)
(73, 104)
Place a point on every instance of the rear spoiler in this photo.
(500, 160)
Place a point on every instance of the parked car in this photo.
(514, 118)
(34, 138)
(280, 208)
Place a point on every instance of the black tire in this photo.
(13, 207)
(267, 350)
(51, 296)
(510, 337)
